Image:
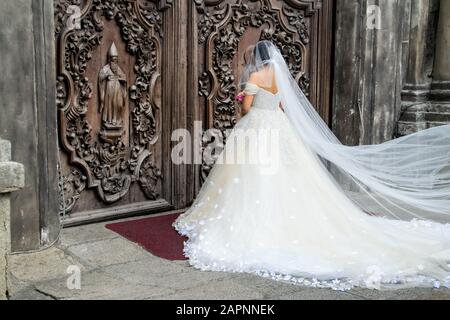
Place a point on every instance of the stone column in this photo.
(12, 178)
(28, 118)
(369, 69)
(421, 50)
(440, 87)
(426, 95)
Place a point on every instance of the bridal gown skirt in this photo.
(296, 224)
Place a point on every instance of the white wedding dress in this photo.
(298, 225)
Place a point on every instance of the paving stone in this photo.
(40, 266)
(405, 294)
(143, 271)
(268, 287)
(30, 293)
(319, 294)
(187, 279)
(99, 285)
(17, 287)
(84, 234)
(108, 252)
(225, 289)
(183, 263)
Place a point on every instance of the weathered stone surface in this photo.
(319, 294)
(369, 69)
(5, 150)
(84, 234)
(440, 88)
(267, 287)
(422, 34)
(108, 252)
(41, 266)
(17, 287)
(428, 77)
(420, 116)
(28, 116)
(12, 174)
(31, 293)
(185, 279)
(4, 242)
(98, 285)
(406, 294)
(144, 271)
(226, 289)
(12, 177)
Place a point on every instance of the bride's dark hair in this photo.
(262, 52)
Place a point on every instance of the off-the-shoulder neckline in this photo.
(255, 85)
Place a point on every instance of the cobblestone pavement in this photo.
(115, 268)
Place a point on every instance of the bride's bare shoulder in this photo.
(255, 78)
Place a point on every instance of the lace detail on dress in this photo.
(297, 225)
(374, 277)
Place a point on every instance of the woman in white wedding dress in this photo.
(298, 211)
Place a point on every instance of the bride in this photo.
(306, 209)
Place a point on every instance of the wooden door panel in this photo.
(110, 117)
(223, 29)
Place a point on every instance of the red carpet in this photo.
(155, 234)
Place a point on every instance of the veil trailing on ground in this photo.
(405, 178)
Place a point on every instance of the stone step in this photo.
(442, 117)
(408, 127)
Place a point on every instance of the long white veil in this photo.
(405, 178)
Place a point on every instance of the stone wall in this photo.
(392, 80)
(440, 86)
(28, 117)
(426, 96)
(369, 69)
(12, 179)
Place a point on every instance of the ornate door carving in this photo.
(111, 122)
(224, 28)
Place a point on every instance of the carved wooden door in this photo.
(129, 72)
(114, 132)
(223, 29)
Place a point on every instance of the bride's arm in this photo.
(249, 95)
(246, 104)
